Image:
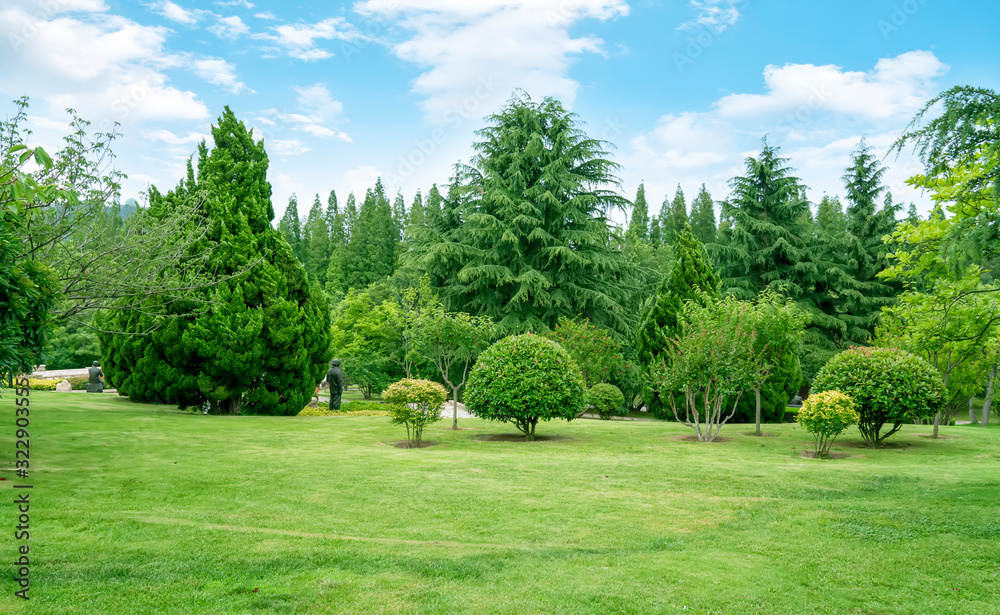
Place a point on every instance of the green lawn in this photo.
(147, 509)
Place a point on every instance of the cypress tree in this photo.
(289, 226)
(332, 209)
(655, 237)
(911, 214)
(432, 210)
(678, 213)
(703, 217)
(638, 226)
(416, 215)
(399, 216)
(830, 221)
(668, 232)
(350, 216)
(262, 344)
(334, 280)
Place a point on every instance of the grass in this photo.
(147, 509)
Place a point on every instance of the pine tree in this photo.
(638, 226)
(655, 236)
(432, 209)
(830, 221)
(332, 210)
(289, 226)
(912, 216)
(678, 214)
(350, 216)
(533, 240)
(703, 217)
(416, 215)
(692, 279)
(262, 344)
(316, 242)
(399, 216)
(668, 232)
(334, 280)
(866, 254)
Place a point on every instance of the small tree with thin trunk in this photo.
(452, 341)
(710, 361)
(779, 327)
(415, 403)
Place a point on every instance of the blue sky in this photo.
(345, 92)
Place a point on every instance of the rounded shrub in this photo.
(524, 379)
(607, 399)
(415, 404)
(888, 386)
(826, 415)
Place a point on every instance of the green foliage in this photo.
(703, 217)
(290, 227)
(256, 342)
(316, 243)
(782, 384)
(711, 360)
(532, 241)
(79, 383)
(888, 386)
(826, 415)
(594, 351)
(415, 404)
(71, 346)
(638, 226)
(524, 379)
(606, 399)
(366, 338)
(353, 408)
(692, 279)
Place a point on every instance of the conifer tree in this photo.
(638, 226)
(334, 280)
(678, 213)
(830, 221)
(332, 210)
(668, 232)
(350, 216)
(703, 217)
(533, 239)
(432, 209)
(655, 236)
(912, 216)
(262, 344)
(289, 226)
(399, 216)
(316, 233)
(866, 224)
(416, 214)
(692, 279)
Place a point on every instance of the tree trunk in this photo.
(454, 408)
(988, 400)
(235, 405)
(937, 423)
(757, 394)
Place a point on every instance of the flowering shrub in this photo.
(606, 399)
(826, 415)
(524, 379)
(598, 356)
(887, 385)
(415, 404)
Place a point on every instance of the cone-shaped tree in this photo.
(533, 241)
(703, 217)
(316, 242)
(258, 342)
(692, 279)
(638, 226)
(290, 227)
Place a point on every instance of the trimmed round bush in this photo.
(826, 415)
(607, 399)
(415, 404)
(888, 386)
(524, 379)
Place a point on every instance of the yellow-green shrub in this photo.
(826, 415)
(415, 404)
(607, 399)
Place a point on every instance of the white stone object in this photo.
(64, 386)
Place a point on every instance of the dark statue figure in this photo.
(96, 382)
(335, 378)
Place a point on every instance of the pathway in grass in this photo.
(143, 509)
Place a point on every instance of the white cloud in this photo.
(476, 53)
(219, 72)
(268, 15)
(288, 147)
(359, 180)
(230, 28)
(299, 40)
(170, 138)
(237, 3)
(316, 114)
(816, 114)
(177, 13)
(715, 14)
(108, 69)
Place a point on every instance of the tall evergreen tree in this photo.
(432, 209)
(350, 216)
(668, 232)
(830, 221)
(678, 213)
(638, 226)
(912, 216)
(316, 242)
(399, 216)
(416, 214)
(334, 280)
(692, 279)
(332, 209)
(703, 217)
(289, 226)
(655, 236)
(866, 225)
(262, 344)
(533, 240)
